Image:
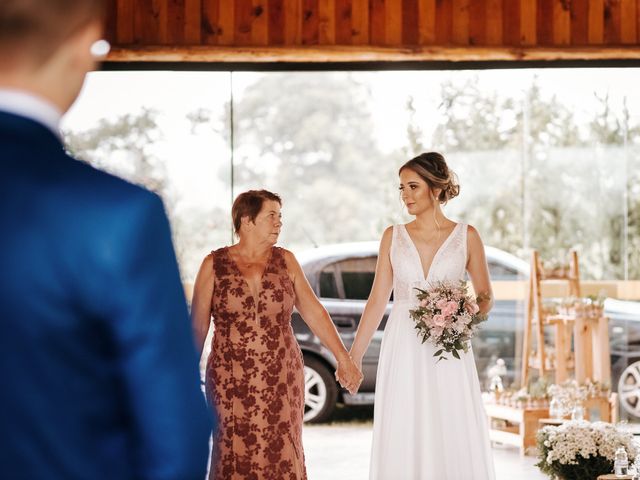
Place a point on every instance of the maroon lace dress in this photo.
(255, 376)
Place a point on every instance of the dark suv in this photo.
(342, 275)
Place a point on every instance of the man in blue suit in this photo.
(97, 363)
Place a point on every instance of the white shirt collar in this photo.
(25, 104)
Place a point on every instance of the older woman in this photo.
(255, 376)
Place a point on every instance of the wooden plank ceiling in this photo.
(372, 30)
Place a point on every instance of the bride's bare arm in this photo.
(479, 271)
(378, 300)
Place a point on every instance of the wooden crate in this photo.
(521, 425)
(606, 408)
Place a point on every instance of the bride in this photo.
(429, 422)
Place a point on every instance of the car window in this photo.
(500, 272)
(328, 287)
(357, 277)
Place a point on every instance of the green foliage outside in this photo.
(532, 174)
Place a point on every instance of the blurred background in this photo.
(547, 159)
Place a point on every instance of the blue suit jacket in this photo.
(97, 362)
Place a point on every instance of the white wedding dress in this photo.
(429, 421)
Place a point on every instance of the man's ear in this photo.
(82, 42)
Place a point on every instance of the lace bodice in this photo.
(449, 262)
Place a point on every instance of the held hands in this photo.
(349, 374)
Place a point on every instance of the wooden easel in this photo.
(583, 327)
(537, 318)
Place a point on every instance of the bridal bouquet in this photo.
(447, 316)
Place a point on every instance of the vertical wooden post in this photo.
(561, 349)
(602, 354)
(537, 306)
(574, 275)
(528, 321)
(580, 348)
(613, 405)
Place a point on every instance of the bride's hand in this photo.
(349, 374)
(357, 361)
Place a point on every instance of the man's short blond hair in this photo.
(38, 27)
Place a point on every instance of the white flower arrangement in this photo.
(577, 450)
(570, 394)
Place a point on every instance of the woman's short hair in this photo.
(433, 169)
(249, 204)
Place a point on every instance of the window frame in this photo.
(337, 278)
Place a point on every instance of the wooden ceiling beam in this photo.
(365, 53)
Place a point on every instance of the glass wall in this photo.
(165, 131)
(547, 159)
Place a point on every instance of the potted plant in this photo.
(579, 450)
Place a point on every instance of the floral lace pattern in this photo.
(255, 376)
(449, 262)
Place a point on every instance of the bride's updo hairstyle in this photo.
(433, 169)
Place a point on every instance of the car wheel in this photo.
(320, 391)
(629, 389)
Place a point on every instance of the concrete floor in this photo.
(341, 452)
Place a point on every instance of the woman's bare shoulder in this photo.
(387, 234)
(472, 233)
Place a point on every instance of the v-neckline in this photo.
(435, 255)
(244, 278)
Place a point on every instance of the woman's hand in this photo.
(349, 374)
(357, 360)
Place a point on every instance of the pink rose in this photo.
(424, 302)
(439, 320)
(450, 308)
(441, 303)
(460, 327)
